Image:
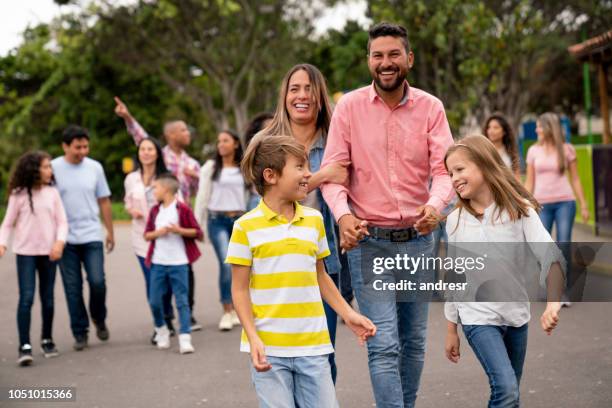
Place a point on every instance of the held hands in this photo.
(56, 251)
(451, 347)
(550, 317)
(258, 356)
(352, 230)
(429, 219)
(361, 326)
(121, 109)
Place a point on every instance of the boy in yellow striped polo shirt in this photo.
(278, 278)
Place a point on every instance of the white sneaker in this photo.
(226, 323)
(162, 337)
(185, 343)
(235, 319)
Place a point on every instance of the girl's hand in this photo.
(584, 211)
(550, 317)
(56, 251)
(337, 173)
(451, 347)
(2, 250)
(258, 356)
(361, 326)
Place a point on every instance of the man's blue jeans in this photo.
(295, 382)
(26, 275)
(219, 231)
(91, 255)
(175, 277)
(397, 352)
(501, 352)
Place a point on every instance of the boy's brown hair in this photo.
(508, 193)
(268, 152)
(169, 181)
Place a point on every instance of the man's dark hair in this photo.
(74, 132)
(386, 29)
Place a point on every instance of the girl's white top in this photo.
(515, 263)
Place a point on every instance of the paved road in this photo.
(573, 368)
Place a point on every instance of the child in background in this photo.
(278, 278)
(493, 205)
(172, 230)
(36, 216)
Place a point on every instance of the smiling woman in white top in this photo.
(494, 207)
(221, 200)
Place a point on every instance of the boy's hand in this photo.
(56, 251)
(173, 228)
(452, 347)
(361, 326)
(550, 317)
(2, 250)
(352, 230)
(258, 356)
(162, 231)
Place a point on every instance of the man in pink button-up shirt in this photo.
(395, 137)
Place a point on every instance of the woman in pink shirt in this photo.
(36, 217)
(139, 200)
(551, 176)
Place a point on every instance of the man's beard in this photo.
(393, 86)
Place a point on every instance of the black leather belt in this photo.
(393, 235)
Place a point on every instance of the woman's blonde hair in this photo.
(508, 193)
(553, 134)
(268, 152)
(281, 123)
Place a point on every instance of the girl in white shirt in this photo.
(494, 207)
(222, 198)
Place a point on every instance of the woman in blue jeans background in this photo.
(552, 178)
(304, 112)
(222, 198)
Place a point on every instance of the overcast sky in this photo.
(16, 15)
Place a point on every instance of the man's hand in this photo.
(550, 317)
(110, 243)
(121, 109)
(429, 219)
(56, 251)
(352, 230)
(258, 356)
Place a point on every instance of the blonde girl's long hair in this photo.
(508, 193)
(281, 123)
(551, 126)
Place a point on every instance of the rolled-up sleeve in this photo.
(439, 139)
(337, 149)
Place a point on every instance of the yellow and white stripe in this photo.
(287, 306)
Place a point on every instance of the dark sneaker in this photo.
(195, 326)
(170, 327)
(48, 348)
(25, 355)
(80, 342)
(102, 331)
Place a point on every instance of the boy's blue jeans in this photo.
(397, 353)
(167, 298)
(501, 352)
(292, 382)
(175, 277)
